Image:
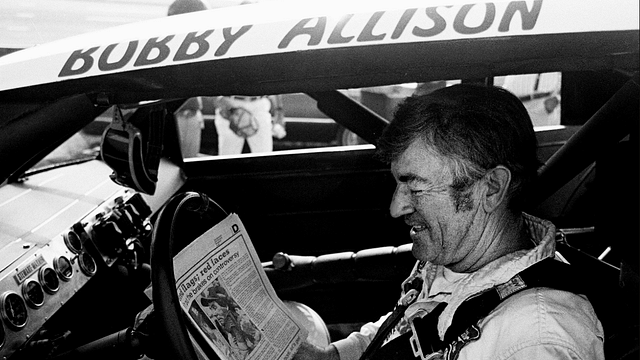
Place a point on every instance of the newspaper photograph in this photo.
(225, 292)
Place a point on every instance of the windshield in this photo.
(83, 145)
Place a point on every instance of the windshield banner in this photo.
(279, 27)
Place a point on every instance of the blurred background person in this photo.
(248, 123)
(190, 125)
(243, 123)
(189, 116)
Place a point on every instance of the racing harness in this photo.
(423, 342)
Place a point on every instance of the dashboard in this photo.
(58, 229)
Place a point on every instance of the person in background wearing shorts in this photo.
(248, 121)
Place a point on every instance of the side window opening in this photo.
(540, 94)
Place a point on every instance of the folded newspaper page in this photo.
(227, 295)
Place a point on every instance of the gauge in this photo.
(87, 264)
(63, 268)
(14, 310)
(73, 241)
(33, 293)
(49, 280)
(2, 335)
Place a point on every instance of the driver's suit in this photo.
(537, 323)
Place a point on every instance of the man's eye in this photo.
(416, 192)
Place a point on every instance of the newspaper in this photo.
(228, 297)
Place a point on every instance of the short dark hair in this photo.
(475, 127)
(186, 6)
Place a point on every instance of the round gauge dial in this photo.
(3, 335)
(14, 310)
(49, 280)
(63, 268)
(33, 293)
(73, 241)
(87, 264)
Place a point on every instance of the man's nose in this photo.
(400, 203)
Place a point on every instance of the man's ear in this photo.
(497, 181)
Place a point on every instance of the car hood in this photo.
(50, 91)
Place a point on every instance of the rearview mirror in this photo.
(132, 147)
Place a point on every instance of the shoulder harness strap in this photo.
(425, 341)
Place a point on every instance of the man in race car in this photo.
(463, 158)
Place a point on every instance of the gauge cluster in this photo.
(39, 283)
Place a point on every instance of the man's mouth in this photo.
(415, 229)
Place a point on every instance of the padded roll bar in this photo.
(291, 272)
(607, 126)
(357, 118)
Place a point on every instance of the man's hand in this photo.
(278, 131)
(311, 352)
(242, 122)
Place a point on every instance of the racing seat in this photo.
(617, 195)
(614, 129)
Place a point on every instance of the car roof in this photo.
(283, 47)
(50, 91)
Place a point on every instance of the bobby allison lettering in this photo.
(427, 22)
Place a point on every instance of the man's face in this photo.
(218, 311)
(446, 225)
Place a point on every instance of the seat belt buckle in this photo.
(417, 349)
(424, 339)
(408, 298)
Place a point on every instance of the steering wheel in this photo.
(192, 213)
